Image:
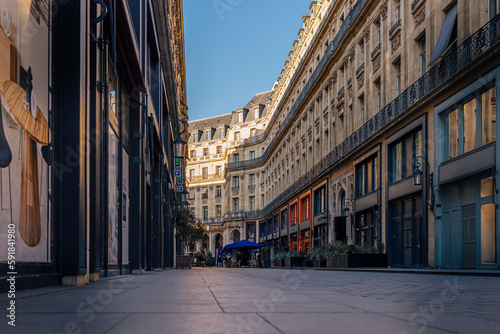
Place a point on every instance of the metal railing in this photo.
(395, 28)
(415, 4)
(471, 49)
(360, 69)
(377, 50)
(351, 17)
(341, 91)
(205, 177)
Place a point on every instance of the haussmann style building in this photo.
(381, 129)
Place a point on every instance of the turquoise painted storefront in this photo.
(466, 157)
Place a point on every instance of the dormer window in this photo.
(257, 113)
(240, 117)
(222, 132)
(209, 135)
(195, 137)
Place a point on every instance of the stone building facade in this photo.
(374, 93)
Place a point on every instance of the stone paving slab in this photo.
(243, 300)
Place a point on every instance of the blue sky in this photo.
(236, 49)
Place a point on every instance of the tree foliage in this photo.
(189, 231)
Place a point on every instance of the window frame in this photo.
(458, 102)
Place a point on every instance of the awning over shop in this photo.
(242, 244)
(444, 37)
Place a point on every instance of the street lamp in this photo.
(349, 205)
(418, 176)
(179, 142)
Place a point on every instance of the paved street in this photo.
(263, 301)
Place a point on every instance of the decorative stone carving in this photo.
(396, 43)
(345, 61)
(383, 10)
(351, 53)
(235, 192)
(334, 77)
(366, 33)
(420, 17)
(361, 82)
(320, 96)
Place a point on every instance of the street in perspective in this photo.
(220, 300)
(249, 166)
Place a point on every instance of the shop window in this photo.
(367, 176)
(251, 232)
(463, 126)
(319, 200)
(488, 233)
(488, 113)
(402, 153)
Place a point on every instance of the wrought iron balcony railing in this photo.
(360, 70)
(471, 49)
(377, 50)
(395, 28)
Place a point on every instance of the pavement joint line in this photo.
(118, 322)
(213, 295)
(270, 323)
(405, 321)
(39, 294)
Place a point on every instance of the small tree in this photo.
(189, 231)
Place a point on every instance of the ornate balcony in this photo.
(376, 51)
(395, 28)
(360, 70)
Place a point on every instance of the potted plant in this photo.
(341, 255)
(297, 260)
(319, 256)
(280, 255)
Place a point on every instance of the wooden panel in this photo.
(366, 201)
(403, 188)
(468, 164)
(5, 59)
